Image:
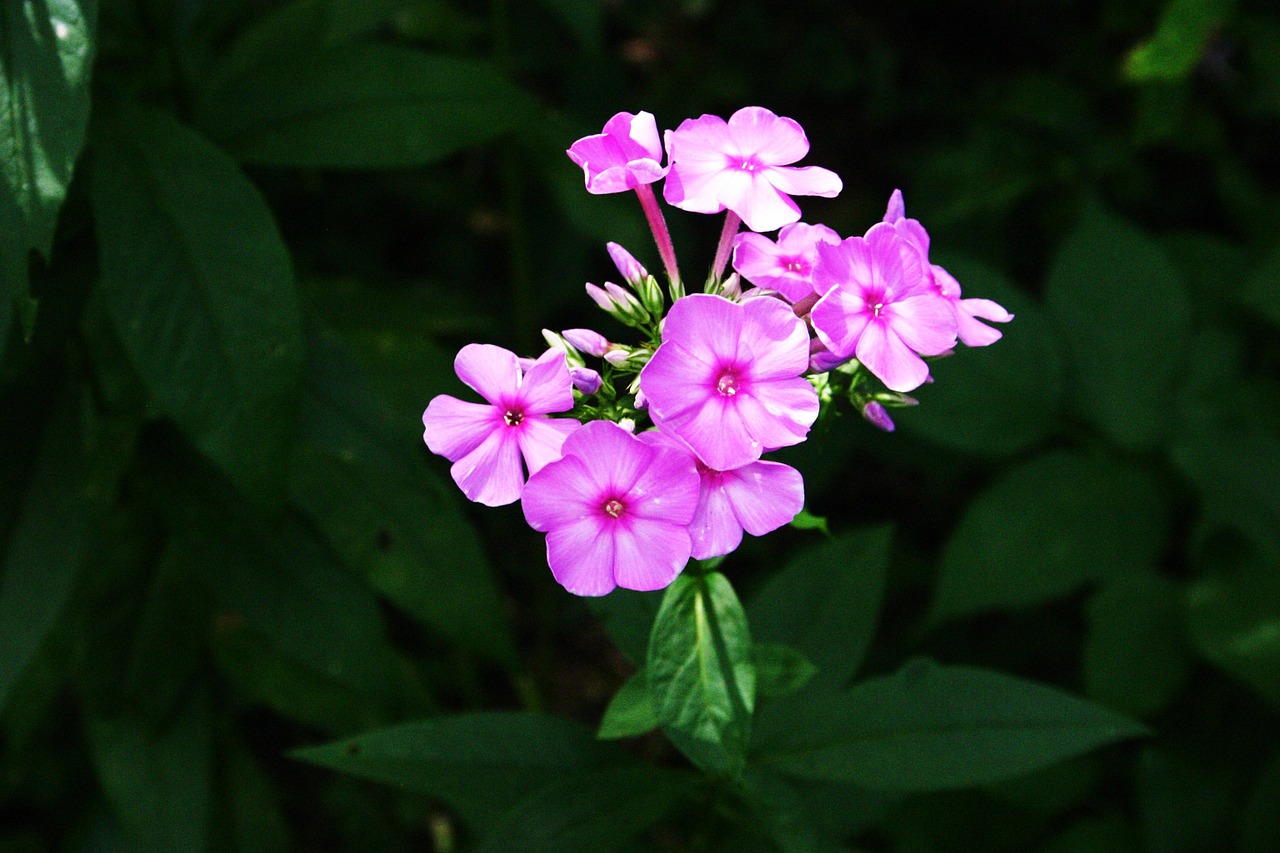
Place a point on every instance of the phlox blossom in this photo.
(615, 510)
(759, 498)
(485, 441)
(879, 306)
(785, 266)
(968, 311)
(727, 379)
(626, 155)
(743, 165)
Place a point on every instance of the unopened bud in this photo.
(590, 342)
(572, 357)
(877, 415)
(618, 303)
(629, 268)
(585, 379)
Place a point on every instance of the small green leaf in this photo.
(481, 764)
(361, 106)
(1046, 528)
(199, 286)
(1124, 318)
(1185, 30)
(780, 670)
(930, 727)
(825, 602)
(804, 520)
(630, 712)
(699, 671)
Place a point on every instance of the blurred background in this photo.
(244, 238)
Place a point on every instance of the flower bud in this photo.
(618, 303)
(587, 341)
(878, 416)
(629, 268)
(573, 358)
(585, 379)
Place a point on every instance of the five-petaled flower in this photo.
(785, 266)
(626, 155)
(485, 441)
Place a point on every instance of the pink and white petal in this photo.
(756, 258)
(848, 263)
(717, 433)
(547, 386)
(777, 413)
(715, 530)
(945, 282)
(542, 439)
(973, 333)
(694, 187)
(753, 196)
(490, 371)
(648, 554)
(806, 180)
(706, 328)
(615, 458)
(772, 139)
(839, 319)
(803, 237)
(628, 176)
(764, 495)
(891, 360)
(581, 557)
(452, 428)
(913, 232)
(777, 338)
(675, 383)
(491, 474)
(641, 129)
(896, 209)
(926, 323)
(560, 493)
(667, 490)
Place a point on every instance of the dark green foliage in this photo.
(243, 609)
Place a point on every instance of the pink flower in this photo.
(967, 311)
(727, 378)
(627, 155)
(615, 510)
(742, 165)
(785, 266)
(879, 305)
(759, 498)
(486, 442)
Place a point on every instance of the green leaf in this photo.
(46, 545)
(595, 810)
(481, 764)
(1124, 318)
(46, 53)
(1261, 291)
(630, 712)
(699, 671)
(361, 106)
(780, 670)
(583, 18)
(1180, 41)
(1186, 801)
(158, 780)
(199, 285)
(253, 819)
(782, 814)
(931, 727)
(362, 479)
(805, 520)
(998, 399)
(1259, 830)
(628, 618)
(1134, 659)
(1046, 528)
(825, 602)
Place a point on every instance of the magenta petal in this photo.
(706, 327)
(839, 320)
(547, 387)
(649, 554)
(764, 495)
(973, 333)
(806, 180)
(490, 371)
(715, 529)
(541, 440)
(491, 474)
(775, 140)
(761, 206)
(716, 432)
(667, 489)
(891, 360)
(581, 557)
(777, 338)
(847, 262)
(453, 428)
(925, 323)
(776, 414)
(896, 209)
(560, 493)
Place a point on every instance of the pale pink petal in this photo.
(707, 328)
(715, 529)
(547, 387)
(896, 209)
(761, 206)
(715, 431)
(764, 495)
(615, 459)
(925, 323)
(776, 414)
(847, 262)
(453, 428)
(681, 381)
(649, 554)
(973, 333)
(667, 489)
(946, 282)
(891, 360)
(490, 371)
(627, 154)
(581, 557)
(777, 339)
(641, 129)
(806, 180)
(541, 440)
(839, 320)
(772, 139)
(913, 232)
(897, 268)
(763, 263)
(491, 474)
(560, 493)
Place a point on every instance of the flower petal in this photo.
(776, 339)
(581, 557)
(973, 333)
(764, 495)
(839, 319)
(490, 371)
(774, 140)
(716, 432)
(806, 180)
(667, 490)
(491, 474)
(453, 428)
(776, 413)
(715, 530)
(561, 492)
(886, 356)
(926, 323)
(547, 386)
(753, 196)
(896, 209)
(649, 554)
(541, 440)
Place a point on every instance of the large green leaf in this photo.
(630, 712)
(825, 602)
(46, 52)
(45, 547)
(481, 764)
(363, 480)
(1124, 319)
(930, 727)
(699, 671)
(199, 285)
(361, 106)
(1047, 527)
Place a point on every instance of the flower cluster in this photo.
(659, 455)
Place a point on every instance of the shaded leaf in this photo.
(780, 669)
(628, 617)
(583, 18)
(630, 712)
(1180, 41)
(1185, 803)
(1259, 830)
(931, 727)
(826, 601)
(1046, 528)
(1261, 290)
(199, 286)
